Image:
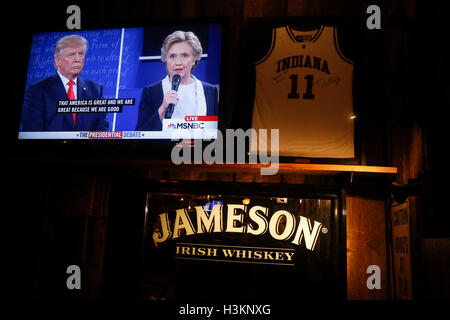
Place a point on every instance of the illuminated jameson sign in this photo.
(282, 225)
(276, 244)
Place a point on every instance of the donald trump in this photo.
(41, 98)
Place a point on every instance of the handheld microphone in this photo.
(176, 79)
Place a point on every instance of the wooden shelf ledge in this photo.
(294, 168)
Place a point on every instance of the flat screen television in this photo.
(122, 83)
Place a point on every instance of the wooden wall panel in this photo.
(435, 278)
(407, 152)
(76, 193)
(302, 7)
(324, 7)
(187, 8)
(164, 8)
(95, 238)
(264, 8)
(366, 245)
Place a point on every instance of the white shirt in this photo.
(191, 99)
(66, 86)
(187, 101)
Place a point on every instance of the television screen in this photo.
(158, 82)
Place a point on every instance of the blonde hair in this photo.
(68, 41)
(182, 36)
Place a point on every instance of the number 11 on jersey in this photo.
(294, 86)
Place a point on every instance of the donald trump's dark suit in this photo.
(41, 99)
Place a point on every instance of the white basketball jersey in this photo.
(304, 89)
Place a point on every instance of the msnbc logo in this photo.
(171, 126)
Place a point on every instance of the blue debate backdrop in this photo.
(106, 56)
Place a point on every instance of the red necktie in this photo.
(71, 96)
